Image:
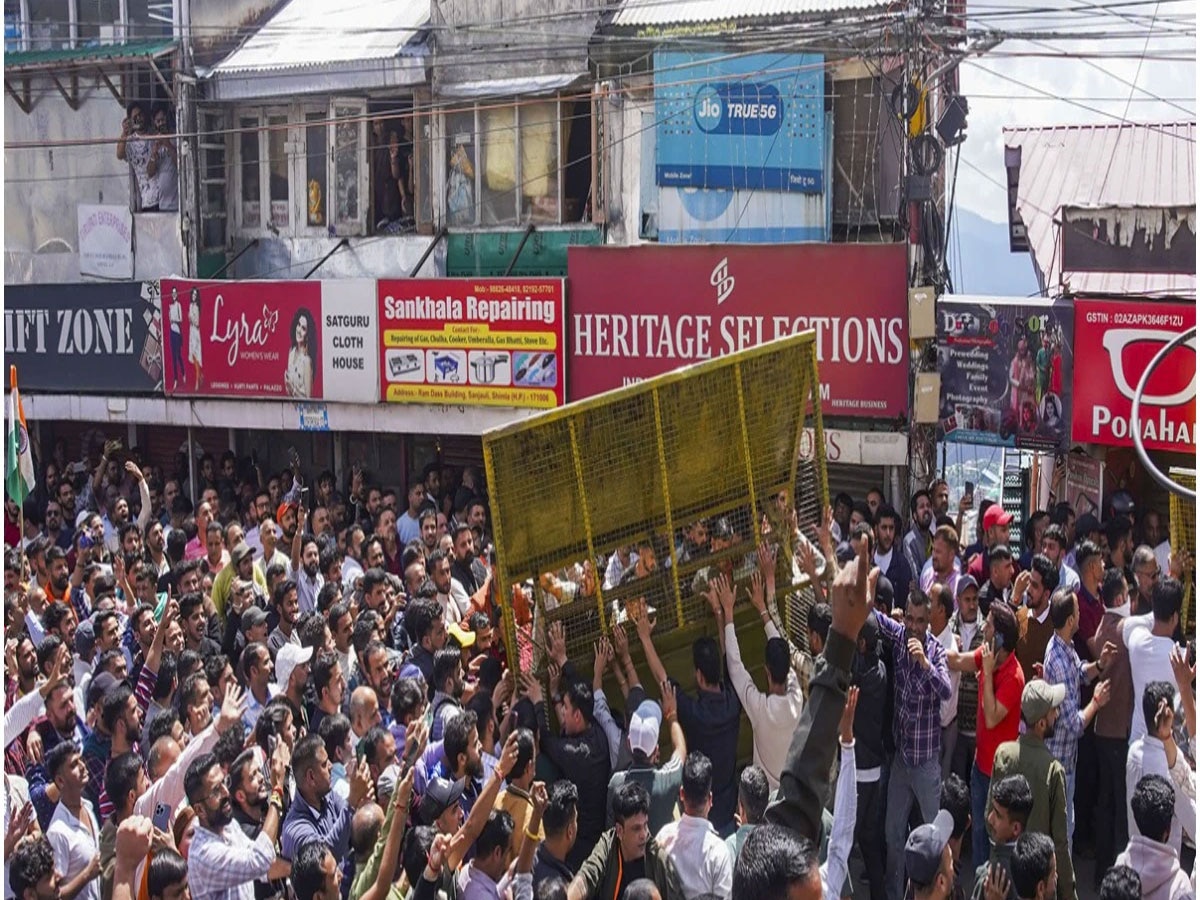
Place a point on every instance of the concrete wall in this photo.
(366, 257)
(44, 185)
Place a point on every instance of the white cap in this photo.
(289, 656)
(644, 726)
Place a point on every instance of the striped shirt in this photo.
(919, 692)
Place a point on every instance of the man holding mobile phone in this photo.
(998, 715)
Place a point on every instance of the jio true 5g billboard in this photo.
(752, 121)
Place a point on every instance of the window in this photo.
(248, 139)
(277, 170)
(398, 141)
(507, 165)
(213, 153)
(49, 24)
(310, 162)
(99, 22)
(316, 160)
(62, 24)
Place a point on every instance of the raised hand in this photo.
(846, 726)
(540, 797)
(997, 884)
(134, 836)
(556, 643)
(849, 596)
(620, 642)
(531, 687)
(758, 592)
(508, 756)
(232, 707)
(670, 706)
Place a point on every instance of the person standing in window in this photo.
(298, 376)
(390, 176)
(163, 166)
(194, 339)
(136, 149)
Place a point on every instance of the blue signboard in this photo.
(754, 121)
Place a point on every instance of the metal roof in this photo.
(1121, 166)
(327, 46)
(638, 13)
(29, 59)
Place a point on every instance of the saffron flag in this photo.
(18, 471)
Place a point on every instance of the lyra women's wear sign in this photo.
(288, 339)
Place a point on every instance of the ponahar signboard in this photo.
(1115, 341)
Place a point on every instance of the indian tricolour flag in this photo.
(18, 460)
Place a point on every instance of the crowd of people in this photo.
(278, 694)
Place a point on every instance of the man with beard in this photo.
(156, 550)
(260, 509)
(427, 632)
(451, 596)
(466, 569)
(119, 510)
(429, 532)
(1028, 756)
(994, 533)
(222, 861)
(59, 619)
(241, 568)
(251, 795)
(55, 531)
(317, 813)
(58, 584)
(447, 689)
(287, 605)
(306, 567)
(352, 564)
(918, 543)
(892, 561)
(195, 625)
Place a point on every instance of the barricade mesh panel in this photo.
(1183, 537)
(630, 473)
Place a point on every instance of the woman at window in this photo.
(194, 338)
(298, 377)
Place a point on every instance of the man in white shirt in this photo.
(775, 714)
(941, 607)
(1150, 639)
(74, 833)
(701, 857)
(1155, 753)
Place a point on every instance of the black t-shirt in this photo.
(631, 872)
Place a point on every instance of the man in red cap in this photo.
(995, 531)
(285, 517)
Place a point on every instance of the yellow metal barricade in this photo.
(629, 471)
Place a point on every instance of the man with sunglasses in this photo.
(224, 864)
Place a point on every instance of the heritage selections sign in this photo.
(637, 312)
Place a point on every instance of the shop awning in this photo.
(64, 66)
(528, 86)
(327, 46)
(657, 13)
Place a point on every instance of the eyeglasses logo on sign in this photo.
(1116, 341)
(739, 108)
(722, 280)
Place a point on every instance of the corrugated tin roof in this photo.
(636, 13)
(358, 42)
(1120, 165)
(24, 59)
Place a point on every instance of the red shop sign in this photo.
(637, 312)
(1115, 340)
